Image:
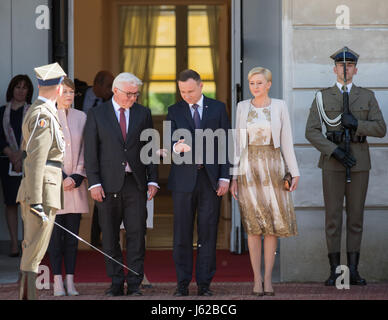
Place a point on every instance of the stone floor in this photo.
(223, 291)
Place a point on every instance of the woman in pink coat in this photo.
(63, 246)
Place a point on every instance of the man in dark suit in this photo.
(118, 178)
(197, 185)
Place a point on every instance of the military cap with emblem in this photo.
(350, 55)
(50, 75)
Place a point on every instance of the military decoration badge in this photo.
(42, 123)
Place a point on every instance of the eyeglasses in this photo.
(130, 94)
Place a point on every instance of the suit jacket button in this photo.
(123, 163)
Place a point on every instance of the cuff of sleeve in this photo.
(173, 148)
(77, 179)
(94, 186)
(153, 184)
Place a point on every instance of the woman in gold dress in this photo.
(264, 151)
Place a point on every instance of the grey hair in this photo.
(127, 78)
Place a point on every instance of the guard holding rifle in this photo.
(348, 114)
(40, 193)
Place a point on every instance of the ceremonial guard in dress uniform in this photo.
(349, 114)
(40, 193)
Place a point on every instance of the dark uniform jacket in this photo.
(363, 105)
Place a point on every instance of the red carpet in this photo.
(159, 267)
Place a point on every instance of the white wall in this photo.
(22, 45)
(310, 36)
(22, 48)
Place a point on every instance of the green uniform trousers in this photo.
(335, 189)
(37, 236)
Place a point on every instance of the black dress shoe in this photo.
(355, 278)
(205, 291)
(115, 290)
(181, 292)
(334, 261)
(14, 254)
(134, 292)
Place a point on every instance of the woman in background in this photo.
(19, 95)
(63, 246)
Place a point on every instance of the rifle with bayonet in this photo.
(346, 111)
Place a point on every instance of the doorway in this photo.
(155, 40)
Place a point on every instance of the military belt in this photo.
(52, 163)
(338, 137)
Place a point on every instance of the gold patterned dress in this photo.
(266, 208)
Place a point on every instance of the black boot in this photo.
(334, 260)
(355, 279)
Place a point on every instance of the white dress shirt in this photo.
(348, 86)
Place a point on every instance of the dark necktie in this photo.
(95, 103)
(196, 118)
(197, 123)
(123, 123)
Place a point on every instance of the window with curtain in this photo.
(149, 38)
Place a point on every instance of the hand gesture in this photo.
(180, 146)
(152, 190)
(234, 189)
(97, 194)
(294, 184)
(68, 184)
(223, 187)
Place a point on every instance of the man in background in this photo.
(85, 99)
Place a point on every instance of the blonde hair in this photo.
(260, 70)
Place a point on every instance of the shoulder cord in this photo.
(33, 131)
(55, 128)
(322, 114)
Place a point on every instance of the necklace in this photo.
(263, 105)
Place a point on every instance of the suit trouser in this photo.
(335, 189)
(129, 206)
(63, 246)
(205, 201)
(95, 231)
(36, 237)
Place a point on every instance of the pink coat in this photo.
(76, 200)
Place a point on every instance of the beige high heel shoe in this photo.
(59, 290)
(71, 291)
